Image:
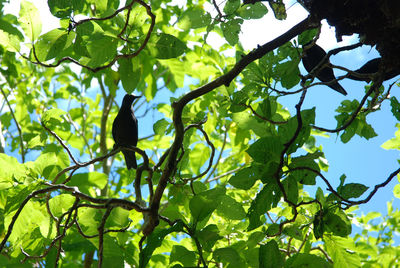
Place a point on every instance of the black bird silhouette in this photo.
(125, 129)
(372, 67)
(312, 57)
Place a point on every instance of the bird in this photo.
(312, 57)
(125, 130)
(372, 67)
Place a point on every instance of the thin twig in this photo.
(17, 124)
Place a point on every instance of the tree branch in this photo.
(222, 80)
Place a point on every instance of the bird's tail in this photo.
(338, 88)
(130, 159)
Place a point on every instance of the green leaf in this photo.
(342, 251)
(255, 238)
(244, 178)
(231, 30)
(52, 116)
(29, 18)
(318, 225)
(45, 160)
(270, 256)
(89, 179)
(291, 189)
(61, 204)
(264, 201)
(63, 9)
(352, 190)
(154, 240)
(231, 6)
(119, 217)
(12, 170)
(301, 260)
(52, 44)
(294, 231)
(337, 223)
(256, 11)
(393, 143)
(307, 36)
(9, 41)
(273, 229)
(230, 209)
(194, 18)
(208, 236)
(228, 256)
(266, 150)
(203, 204)
(182, 255)
(279, 9)
(112, 252)
(305, 176)
(395, 104)
(165, 46)
(289, 73)
(130, 72)
(396, 191)
(101, 50)
(160, 127)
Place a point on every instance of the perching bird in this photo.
(372, 67)
(125, 129)
(312, 57)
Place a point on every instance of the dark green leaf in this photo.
(302, 260)
(194, 18)
(166, 46)
(337, 223)
(231, 6)
(291, 189)
(289, 73)
(266, 150)
(318, 225)
(231, 30)
(244, 178)
(230, 209)
(264, 201)
(270, 256)
(279, 9)
(208, 236)
(395, 104)
(181, 254)
(130, 72)
(53, 43)
(154, 240)
(228, 256)
(203, 204)
(256, 11)
(352, 190)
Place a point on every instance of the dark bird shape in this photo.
(125, 129)
(372, 67)
(312, 57)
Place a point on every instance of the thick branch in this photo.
(225, 79)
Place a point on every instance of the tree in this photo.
(221, 181)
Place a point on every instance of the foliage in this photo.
(221, 180)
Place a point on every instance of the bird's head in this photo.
(128, 99)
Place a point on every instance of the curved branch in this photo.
(219, 156)
(111, 202)
(211, 156)
(373, 88)
(117, 57)
(225, 79)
